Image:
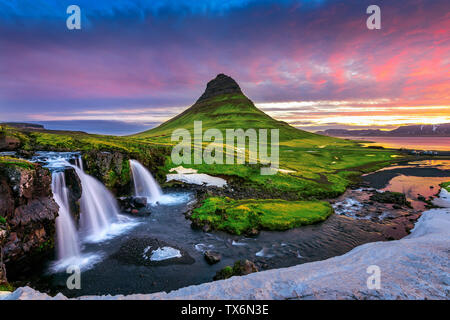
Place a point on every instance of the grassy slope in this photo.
(322, 166)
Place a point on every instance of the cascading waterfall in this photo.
(98, 209)
(67, 243)
(144, 183)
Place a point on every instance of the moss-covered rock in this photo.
(240, 268)
(244, 216)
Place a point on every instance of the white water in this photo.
(98, 208)
(67, 243)
(144, 183)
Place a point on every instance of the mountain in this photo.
(435, 130)
(223, 105)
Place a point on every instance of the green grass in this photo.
(322, 166)
(14, 162)
(446, 186)
(6, 287)
(240, 216)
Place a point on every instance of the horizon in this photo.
(131, 68)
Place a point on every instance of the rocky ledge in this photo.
(27, 215)
(415, 267)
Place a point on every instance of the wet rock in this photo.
(390, 197)
(207, 227)
(138, 251)
(253, 232)
(134, 205)
(212, 257)
(74, 189)
(240, 268)
(140, 202)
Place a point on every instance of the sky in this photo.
(311, 63)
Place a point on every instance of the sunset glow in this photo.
(313, 64)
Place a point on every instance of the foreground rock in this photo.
(151, 252)
(240, 268)
(212, 257)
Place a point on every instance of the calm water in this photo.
(415, 143)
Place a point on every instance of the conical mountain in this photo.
(223, 105)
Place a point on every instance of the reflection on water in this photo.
(412, 187)
(414, 143)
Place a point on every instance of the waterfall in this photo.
(99, 208)
(144, 183)
(67, 243)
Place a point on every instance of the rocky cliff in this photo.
(112, 168)
(27, 214)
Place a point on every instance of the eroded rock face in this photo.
(29, 211)
(222, 84)
(112, 168)
(74, 188)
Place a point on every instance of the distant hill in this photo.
(223, 105)
(22, 125)
(438, 130)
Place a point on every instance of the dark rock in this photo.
(421, 198)
(390, 197)
(212, 257)
(222, 84)
(27, 206)
(207, 227)
(74, 188)
(140, 202)
(137, 251)
(253, 232)
(240, 268)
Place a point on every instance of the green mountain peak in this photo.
(223, 105)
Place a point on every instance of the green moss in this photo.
(14, 162)
(2, 220)
(224, 273)
(6, 287)
(446, 186)
(241, 216)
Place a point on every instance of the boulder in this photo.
(240, 268)
(140, 202)
(212, 257)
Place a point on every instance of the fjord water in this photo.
(67, 242)
(144, 183)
